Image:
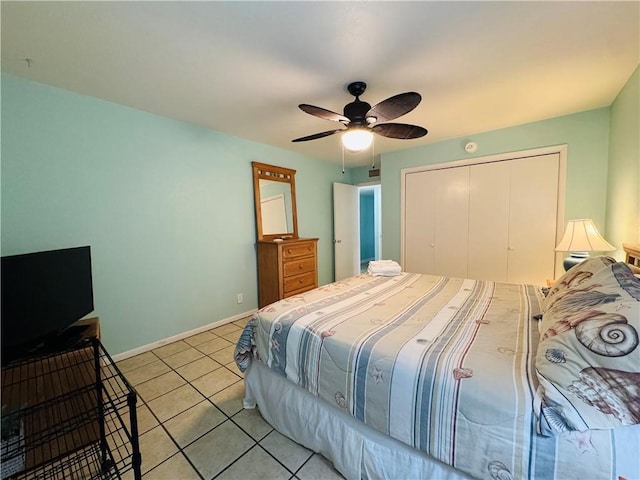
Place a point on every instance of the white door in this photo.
(489, 221)
(419, 222)
(533, 213)
(495, 220)
(452, 222)
(436, 222)
(346, 231)
(274, 217)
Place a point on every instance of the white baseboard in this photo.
(180, 336)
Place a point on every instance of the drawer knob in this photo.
(300, 267)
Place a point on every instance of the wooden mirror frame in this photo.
(262, 171)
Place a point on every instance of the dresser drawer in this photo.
(296, 267)
(300, 282)
(299, 249)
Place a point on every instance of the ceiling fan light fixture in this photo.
(357, 139)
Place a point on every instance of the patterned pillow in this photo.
(575, 277)
(588, 359)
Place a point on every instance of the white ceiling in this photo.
(243, 67)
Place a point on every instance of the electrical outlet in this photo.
(240, 298)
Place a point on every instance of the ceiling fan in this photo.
(361, 120)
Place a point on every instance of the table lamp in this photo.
(580, 238)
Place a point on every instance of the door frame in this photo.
(561, 150)
(376, 187)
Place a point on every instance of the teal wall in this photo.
(367, 226)
(587, 137)
(623, 181)
(360, 175)
(167, 207)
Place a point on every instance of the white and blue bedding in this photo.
(443, 365)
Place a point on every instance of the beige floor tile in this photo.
(198, 368)
(230, 400)
(232, 337)
(177, 401)
(318, 468)
(135, 362)
(225, 329)
(175, 468)
(252, 422)
(160, 385)
(171, 348)
(217, 449)
(288, 452)
(182, 358)
(146, 420)
(194, 422)
(224, 356)
(234, 368)
(242, 323)
(211, 346)
(199, 338)
(155, 446)
(256, 464)
(146, 372)
(215, 381)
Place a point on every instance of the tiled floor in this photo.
(191, 421)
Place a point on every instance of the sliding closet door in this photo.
(533, 210)
(436, 222)
(419, 222)
(488, 221)
(452, 222)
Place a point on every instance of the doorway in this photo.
(357, 220)
(370, 224)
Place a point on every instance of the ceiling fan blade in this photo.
(399, 130)
(394, 107)
(317, 135)
(323, 113)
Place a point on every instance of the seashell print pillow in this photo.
(588, 359)
(573, 278)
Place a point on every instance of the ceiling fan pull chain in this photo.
(342, 157)
(373, 152)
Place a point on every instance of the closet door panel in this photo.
(419, 222)
(452, 222)
(532, 218)
(488, 221)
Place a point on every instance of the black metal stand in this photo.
(68, 414)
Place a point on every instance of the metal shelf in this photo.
(68, 414)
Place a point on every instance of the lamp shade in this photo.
(582, 236)
(357, 139)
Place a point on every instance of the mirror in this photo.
(274, 192)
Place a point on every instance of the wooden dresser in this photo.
(286, 268)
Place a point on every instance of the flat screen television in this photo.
(43, 293)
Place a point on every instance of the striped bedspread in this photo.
(444, 365)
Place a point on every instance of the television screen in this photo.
(42, 294)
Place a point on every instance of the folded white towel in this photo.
(384, 268)
(383, 263)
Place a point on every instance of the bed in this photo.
(418, 376)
